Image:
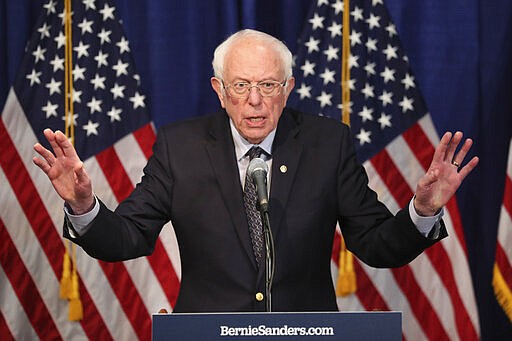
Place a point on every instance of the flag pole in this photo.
(346, 283)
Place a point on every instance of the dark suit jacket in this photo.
(193, 180)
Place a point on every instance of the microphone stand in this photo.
(269, 257)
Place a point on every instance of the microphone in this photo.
(258, 170)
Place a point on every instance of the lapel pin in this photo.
(283, 169)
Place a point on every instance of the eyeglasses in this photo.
(267, 88)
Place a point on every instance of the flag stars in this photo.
(371, 45)
(366, 114)
(355, 38)
(328, 76)
(101, 59)
(98, 82)
(50, 7)
(120, 68)
(391, 29)
(123, 45)
(368, 91)
(138, 100)
(63, 16)
(338, 7)
(91, 128)
(104, 36)
(308, 68)
(385, 98)
(86, 26)
(384, 120)
(324, 99)
(53, 86)
(390, 52)
(312, 44)
(352, 61)
(39, 53)
(304, 91)
(50, 109)
(352, 84)
(370, 68)
(34, 77)
(317, 21)
(331, 53)
(114, 114)
(373, 21)
(76, 96)
(388, 75)
(357, 14)
(78, 72)
(57, 63)
(364, 137)
(74, 118)
(408, 81)
(44, 30)
(335, 29)
(406, 104)
(107, 12)
(89, 4)
(60, 39)
(117, 91)
(82, 50)
(94, 105)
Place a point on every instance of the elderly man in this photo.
(195, 179)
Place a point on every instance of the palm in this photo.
(65, 171)
(443, 177)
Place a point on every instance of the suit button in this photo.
(259, 297)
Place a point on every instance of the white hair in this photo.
(221, 50)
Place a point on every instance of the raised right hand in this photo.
(65, 171)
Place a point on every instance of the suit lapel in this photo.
(286, 153)
(223, 161)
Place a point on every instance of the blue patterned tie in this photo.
(253, 215)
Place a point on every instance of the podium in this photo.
(345, 326)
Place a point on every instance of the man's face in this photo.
(252, 61)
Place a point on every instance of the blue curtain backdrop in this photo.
(460, 51)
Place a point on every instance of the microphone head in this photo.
(257, 164)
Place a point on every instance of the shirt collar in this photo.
(242, 146)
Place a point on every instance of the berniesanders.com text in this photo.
(284, 330)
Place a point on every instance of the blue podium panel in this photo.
(345, 326)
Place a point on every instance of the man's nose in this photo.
(254, 95)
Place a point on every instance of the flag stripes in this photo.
(118, 298)
(25, 289)
(433, 295)
(502, 271)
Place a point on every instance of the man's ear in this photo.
(290, 84)
(219, 89)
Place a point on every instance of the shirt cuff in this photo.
(427, 226)
(81, 222)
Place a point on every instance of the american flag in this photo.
(113, 136)
(502, 274)
(395, 139)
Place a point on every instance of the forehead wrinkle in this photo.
(252, 61)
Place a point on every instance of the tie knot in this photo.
(255, 151)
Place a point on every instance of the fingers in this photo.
(440, 152)
(452, 146)
(464, 171)
(45, 167)
(459, 158)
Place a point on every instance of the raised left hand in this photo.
(444, 175)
